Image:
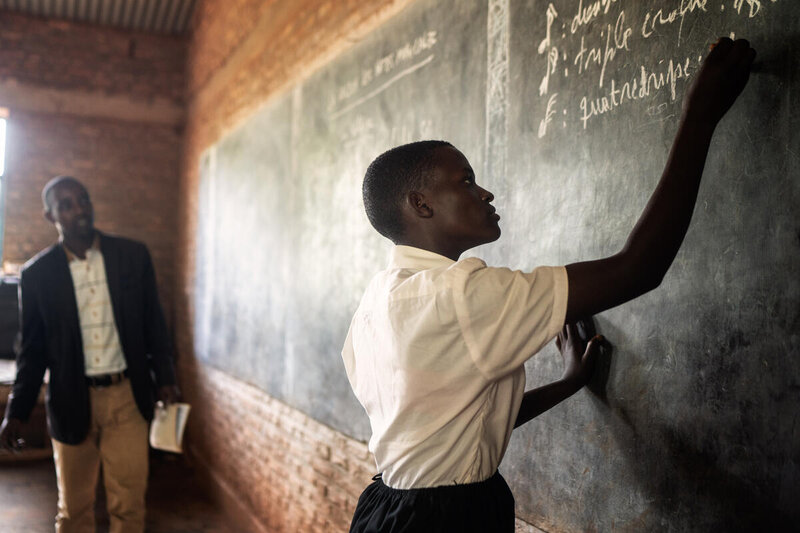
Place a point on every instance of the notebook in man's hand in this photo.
(166, 430)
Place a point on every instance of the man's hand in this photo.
(578, 355)
(9, 434)
(721, 79)
(168, 394)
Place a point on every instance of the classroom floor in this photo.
(175, 503)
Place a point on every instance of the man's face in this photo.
(461, 209)
(71, 210)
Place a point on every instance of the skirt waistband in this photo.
(455, 488)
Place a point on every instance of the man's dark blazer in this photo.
(51, 336)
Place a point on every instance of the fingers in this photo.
(563, 336)
(595, 344)
(12, 442)
(745, 56)
(740, 57)
(582, 329)
(168, 394)
(586, 328)
(720, 48)
(574, 336)
(739, 50)
(740, 60)
(592, 352)
(732, 52)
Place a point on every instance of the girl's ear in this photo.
(416, 201)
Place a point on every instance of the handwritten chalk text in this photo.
(647, 83)
(664, 18)
(586, 14)
(595, 55)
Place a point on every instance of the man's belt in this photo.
(105, 380)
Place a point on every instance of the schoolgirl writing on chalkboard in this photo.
(436, 348)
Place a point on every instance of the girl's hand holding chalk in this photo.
(722, 77)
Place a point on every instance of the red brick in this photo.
(64, 55)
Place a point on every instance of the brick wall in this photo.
(217, 31)
(274, 468)
(66, 55)
(82, 102)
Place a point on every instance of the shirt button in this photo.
(96, 359)
(91, 291)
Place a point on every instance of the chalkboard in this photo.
(567, 109)
(700, 428)
(284, 246)
(242, 249)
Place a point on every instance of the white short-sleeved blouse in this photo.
(435, 354)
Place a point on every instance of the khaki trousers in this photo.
(118, 440)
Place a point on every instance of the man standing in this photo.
(89, 312)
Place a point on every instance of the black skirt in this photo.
(483, 507)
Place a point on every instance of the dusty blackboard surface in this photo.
(567, 109)
(700, 431)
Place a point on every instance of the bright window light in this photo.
(2, 146)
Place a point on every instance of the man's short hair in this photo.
(391, 176)
(52, 184)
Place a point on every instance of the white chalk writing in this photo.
(647, 83)
(754, 6)
(595, 55)
(548, 115)
(606, 37)
(404, 54)
(664, 17)
(383, 67)
(586, 14)
(552, 51)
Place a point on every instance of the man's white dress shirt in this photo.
(102, 350)
(435, 354)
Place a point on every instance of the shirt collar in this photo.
(417, 258)
(93, 248)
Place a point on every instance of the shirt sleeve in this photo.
(348, 357)
(507, 316)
